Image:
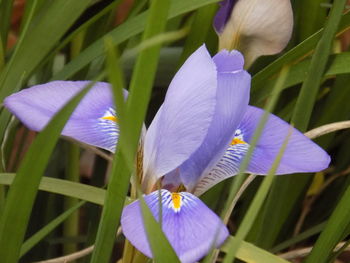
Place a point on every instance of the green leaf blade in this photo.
(21, 196)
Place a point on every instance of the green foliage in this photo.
(308, 84)
(20, 199)
(135, 111)
(336, 229)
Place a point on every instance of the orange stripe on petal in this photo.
(110, 118)
(237, 141)
(176, 198)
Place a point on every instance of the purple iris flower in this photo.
(198, 138)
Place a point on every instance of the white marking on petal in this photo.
(109, 126)
(227, 166)
(192, 231)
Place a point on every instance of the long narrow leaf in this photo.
(250, 253)
(140, 89)
(295, 54)
(45, 35)
(247, 252)
(5, 20)
(202, 22)
(125, 31)
(333, 233)
(161, 249)
(287, 191)
(257, 202)
(63, 187)
(42, 233)
(255, 206)
(310, 87)
(338, 64)
(21, 196)
(311, 17)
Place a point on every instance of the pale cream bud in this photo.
(258, 27)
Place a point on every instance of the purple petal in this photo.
(223, 15)
(172, 181)
(226, 167)
(229, 61)
(232, 101)
(182, 122)
(191, 227)
(91, 122)
(301, 155)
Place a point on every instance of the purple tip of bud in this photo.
(223, 15)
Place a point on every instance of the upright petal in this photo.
(183, 120)
(172, 181)
(190, 226)
(232, 101)
(301, 154)
(229, 61)
(93, 122)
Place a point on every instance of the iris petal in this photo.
(182, 122)
(190, 226)
(232, 101)
(301, 154)
(229, 61)
(93, 121)
(225, 168)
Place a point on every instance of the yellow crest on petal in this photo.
(176, 198)
(110, 118)
(237, 141)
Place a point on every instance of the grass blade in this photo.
(250, 253)
(84, 192)
(259, 198)
(20, 199)
(202, 23)
(300, 237)
(337, 228)
(140, 89)
(42, 233)
(161, 249)
(130, 28)
(45, 34)
(309, 89)
(256, 205)
(71, 225)
(287, 191)
(293, 55)
(311, 17)
(337, 64)
(5, 20)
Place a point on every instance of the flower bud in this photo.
(254, 27)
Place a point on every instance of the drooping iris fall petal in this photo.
(182, 122)
(93, 122)
(232, 101)
(300, 156)
(190, 226)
